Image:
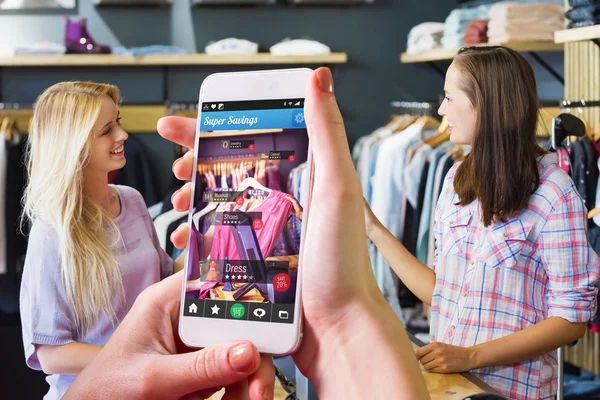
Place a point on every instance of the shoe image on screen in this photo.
(247, 211)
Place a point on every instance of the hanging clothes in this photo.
(276, 209)
(16, 178)
(3, 166)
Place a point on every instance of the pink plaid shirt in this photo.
(491, 282)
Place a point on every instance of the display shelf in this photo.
(578, 34)
(136, 118)
(82, 60)
(449, 54)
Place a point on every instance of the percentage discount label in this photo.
(257, 224)
(281, 282)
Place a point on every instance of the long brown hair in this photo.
(501, 169)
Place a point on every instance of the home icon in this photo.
(193, 309)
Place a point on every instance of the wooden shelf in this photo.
(449, 54)
(136, 119)
(81, 60)
(577, 34)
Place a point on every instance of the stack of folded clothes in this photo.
(476, 32)
(583, 13)
(456, 24)
(510, 22)
(424, 37)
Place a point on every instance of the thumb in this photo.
(326, 130)
(212, 367)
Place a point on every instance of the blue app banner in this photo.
(252, 119)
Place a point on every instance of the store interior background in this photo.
(372, 35)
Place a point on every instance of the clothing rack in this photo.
(415, 107)
(178, 107)
(16, 106)
(233, 158)
(137, 118)
(20, 113)
(579, 104)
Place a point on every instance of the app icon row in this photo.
(221, 309)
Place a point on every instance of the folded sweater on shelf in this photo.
(584, 13)
(231, 46)
(501, 23)
(508, 10)
(424, 37)
(299, 47)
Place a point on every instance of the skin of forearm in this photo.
(417, 277)
(372, 337)
(531, 342)
(69, 359)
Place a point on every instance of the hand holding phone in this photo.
(249, 202)
(349, 327)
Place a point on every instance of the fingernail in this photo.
(325, 80)
(241, 358)
(173, 195)
(175, 163)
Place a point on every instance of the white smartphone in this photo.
(248, 212)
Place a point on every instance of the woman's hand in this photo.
(145, 359)
(298, 210)
(372, 224)
(444, 358)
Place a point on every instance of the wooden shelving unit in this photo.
(82, 60)
(136, 119)
(449, 54)
(578, 34)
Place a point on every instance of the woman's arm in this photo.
(531, 342)
(417, 277)
(69, 359)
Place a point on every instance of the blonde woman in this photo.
(92, 247)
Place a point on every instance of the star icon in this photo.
(245, 276)
(215, 309)
(239, 277)
(226, 276)
(251, 277)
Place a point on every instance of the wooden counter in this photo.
(451, 386)
(440, 386)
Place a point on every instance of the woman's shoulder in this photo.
(130, 197)
(42, 243)
(554, 183)
(42, 231)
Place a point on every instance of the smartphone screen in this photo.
(246, 219)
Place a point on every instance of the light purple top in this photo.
(45, 312)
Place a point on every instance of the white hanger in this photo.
(251, 182)
(196, 217)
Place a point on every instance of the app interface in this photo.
(246, 220)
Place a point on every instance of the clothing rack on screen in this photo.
(238, 157)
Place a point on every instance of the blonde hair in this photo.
(58, 151)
